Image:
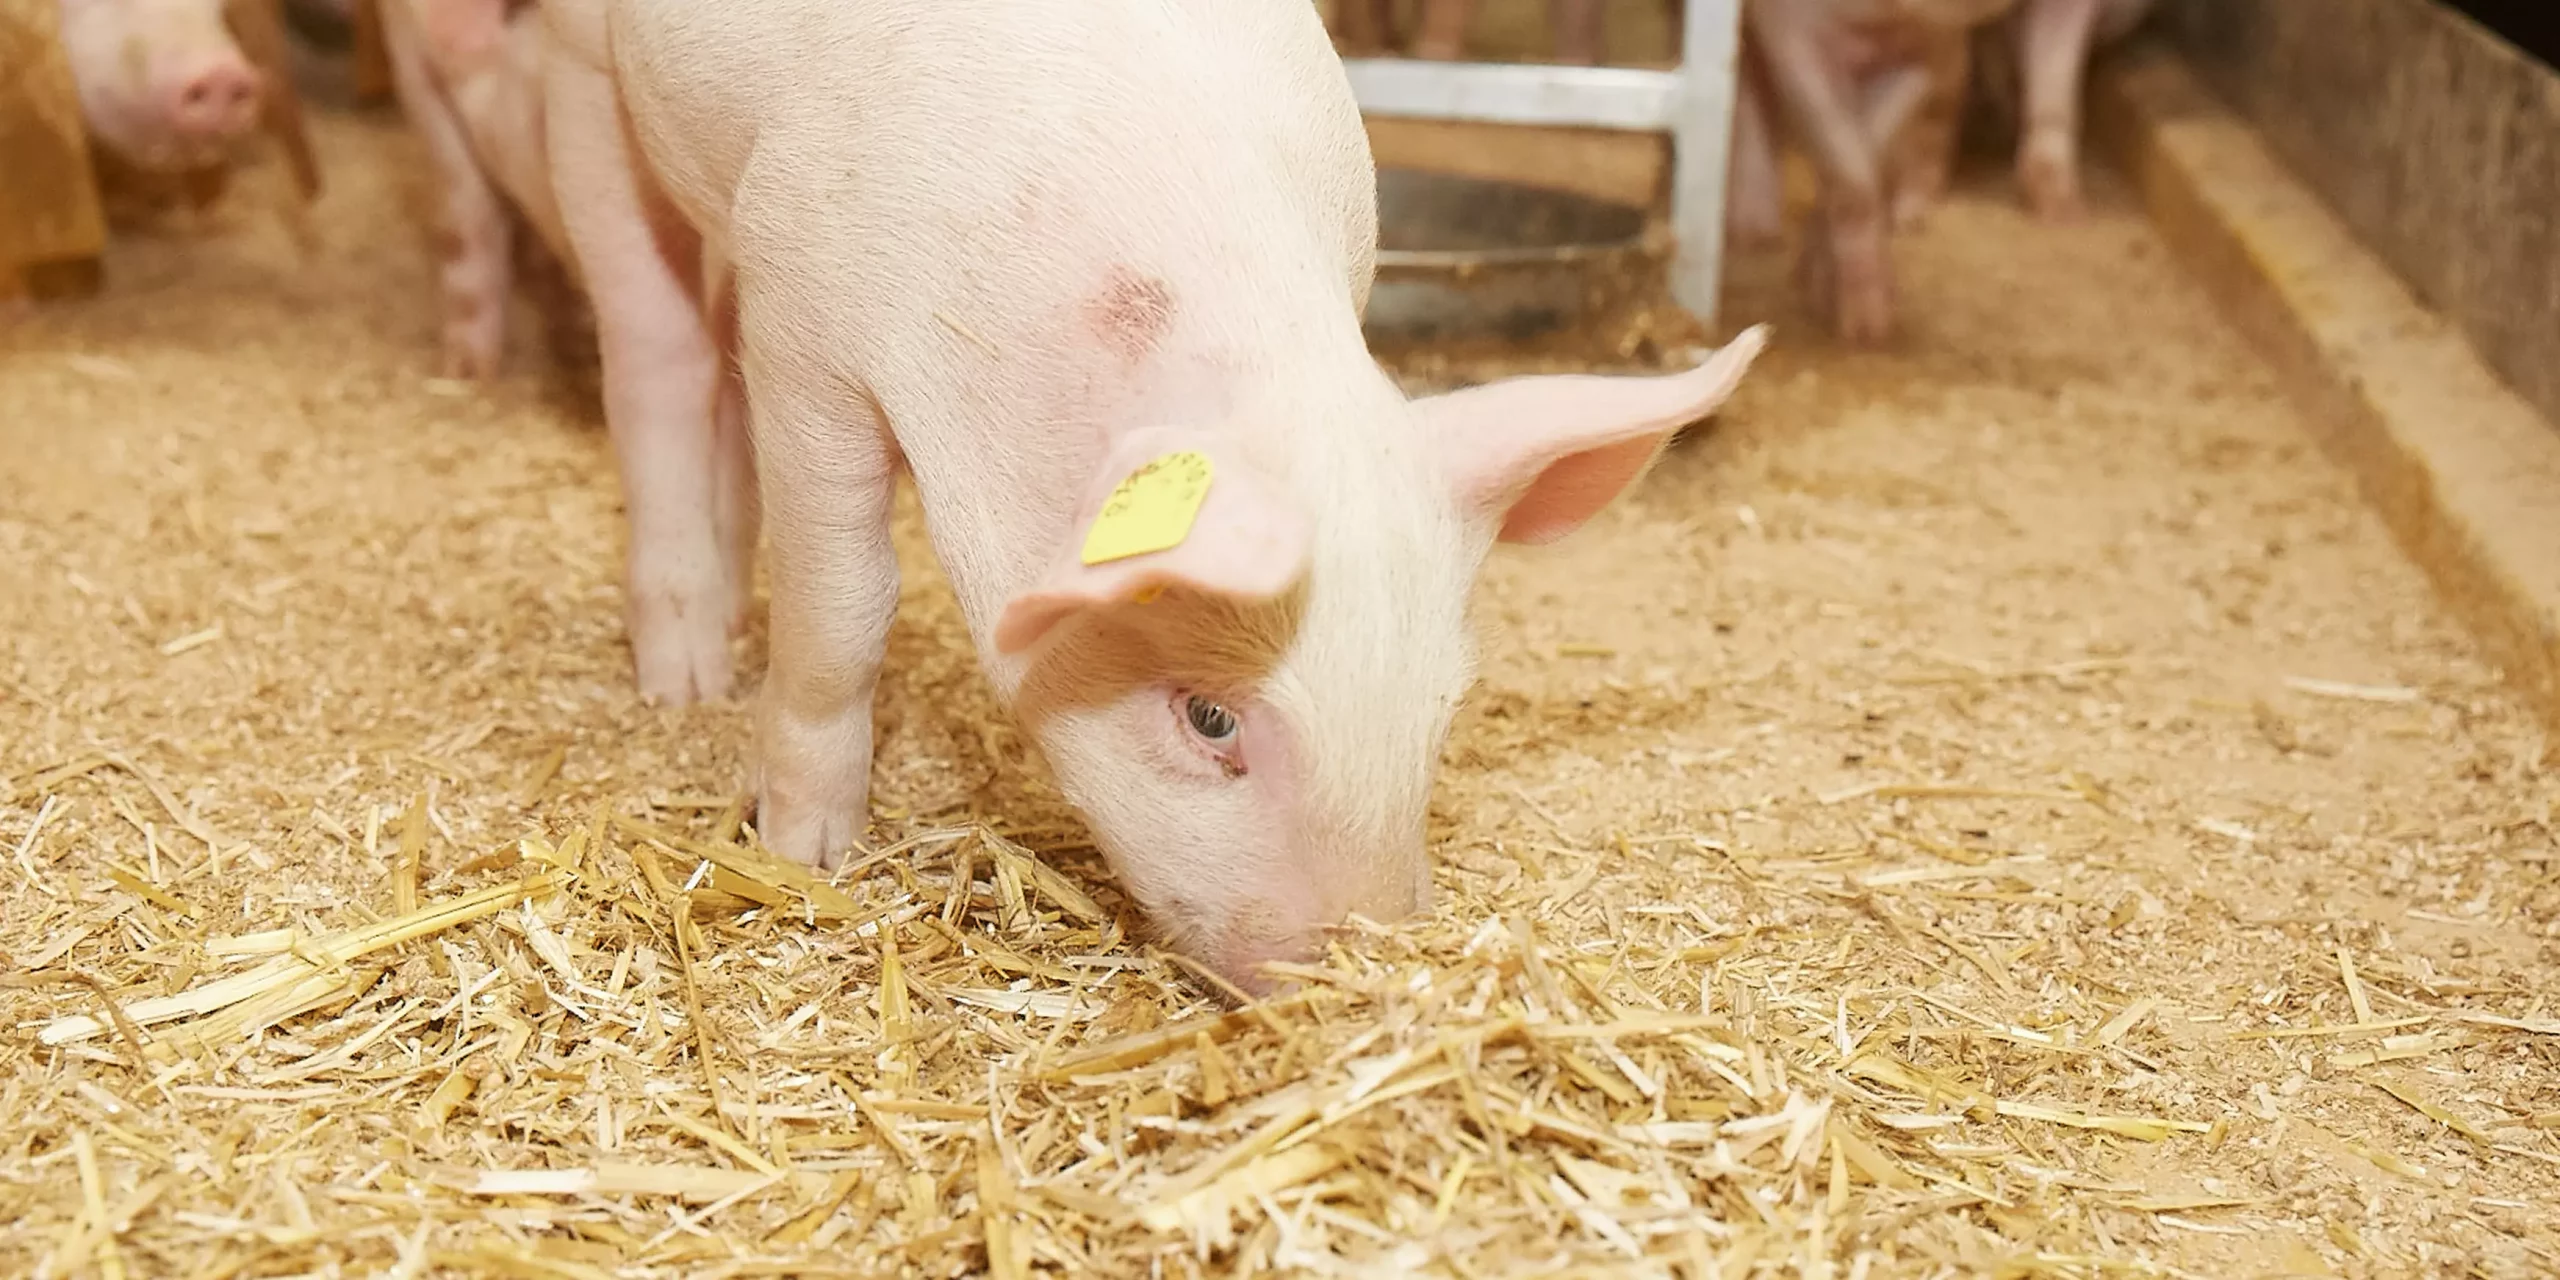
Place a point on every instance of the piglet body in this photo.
(468, 75)
(1022, 252)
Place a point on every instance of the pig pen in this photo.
(2001, 805)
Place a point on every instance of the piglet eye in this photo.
(1212, 722)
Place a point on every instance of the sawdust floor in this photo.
(1943, 725)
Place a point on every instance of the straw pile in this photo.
(1913, 837)
(642, 1048)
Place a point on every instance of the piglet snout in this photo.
(213, 99)
(1292, 927)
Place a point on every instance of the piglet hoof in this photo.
(680, 647)
(806, 836)
(468, 360)
(812, 776)
(813, 829)
(1754, 228)
(2051, 182)
(1865, 312)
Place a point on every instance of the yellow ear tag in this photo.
(1152, 510)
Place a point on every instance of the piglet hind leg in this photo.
(828, 474)
(661, 374)
(474, 252)
(1755, 203)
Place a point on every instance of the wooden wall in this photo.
(2437, 142)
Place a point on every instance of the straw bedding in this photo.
(1996, 808)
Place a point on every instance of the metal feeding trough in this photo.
(1464, 256)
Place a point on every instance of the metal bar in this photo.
(1701, 152)
(1694, 104)
(1507, 93)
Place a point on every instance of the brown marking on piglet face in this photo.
(447, 243)
(1130, 313)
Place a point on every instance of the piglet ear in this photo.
(1538, 456)
(1243, 540)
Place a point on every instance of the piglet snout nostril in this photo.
(216, 100)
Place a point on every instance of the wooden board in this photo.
(52, 229)
(1604, 164)
(2461, 469)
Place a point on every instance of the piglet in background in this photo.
(468, 75)
(170, 94)
(1091, 272)
(162, 83)
(1847, 78)
(1916, 165)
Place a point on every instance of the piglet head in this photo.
(1251, 718)
(162, 83)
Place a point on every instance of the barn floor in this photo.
(1998, 805)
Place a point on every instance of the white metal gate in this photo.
(1693, 104)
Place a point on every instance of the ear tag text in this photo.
(1152, 510)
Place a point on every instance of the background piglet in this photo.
(1847, 79)
(1021, 252)
(468, 75)
(162, 83)
(171, 90)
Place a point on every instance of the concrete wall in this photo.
(2437, 142)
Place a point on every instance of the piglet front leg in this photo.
(828, 473)
(2053, 53)
(474, 253)
(1852, 267)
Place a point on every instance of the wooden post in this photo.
(52, 228)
